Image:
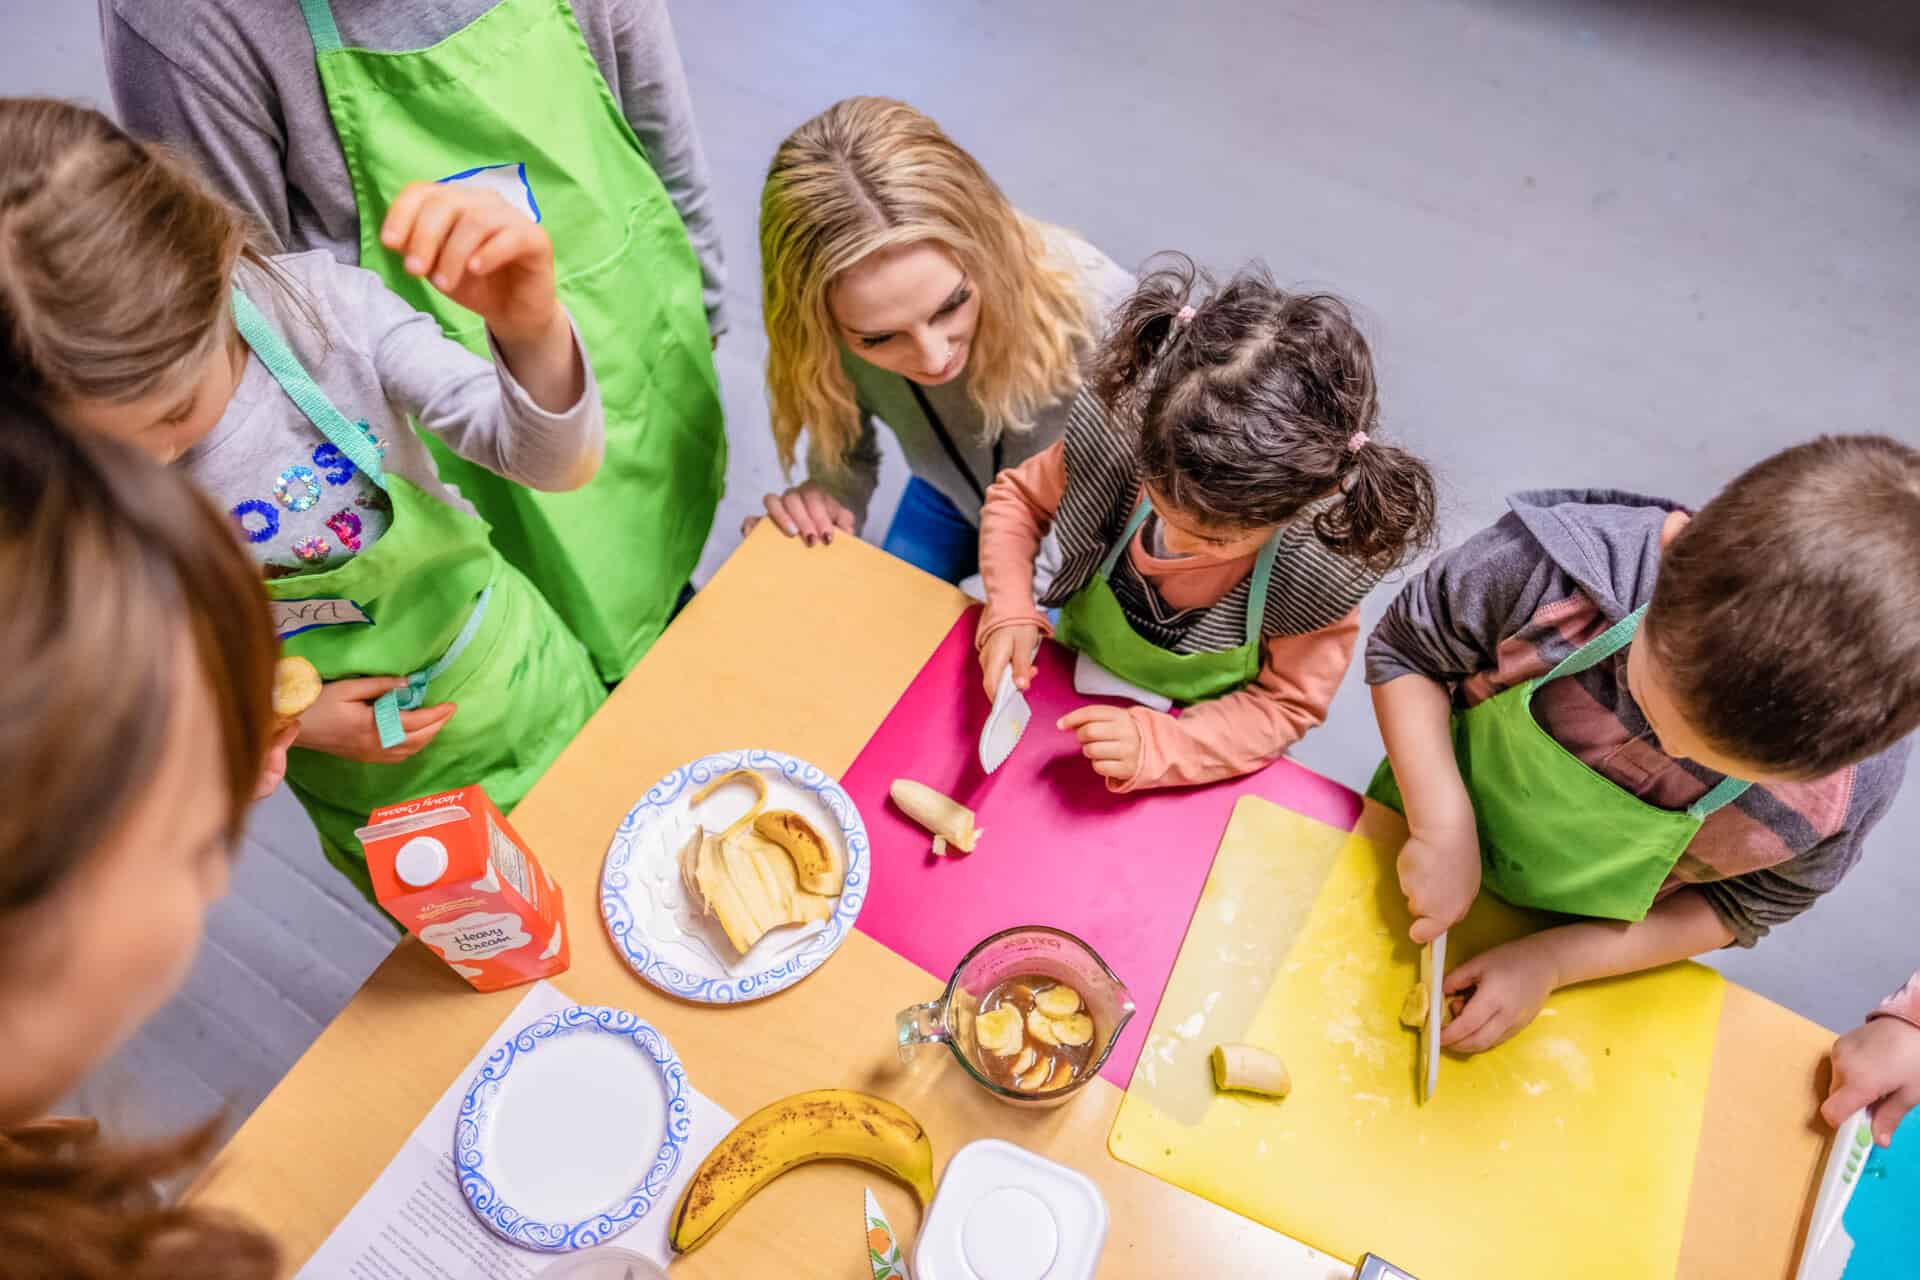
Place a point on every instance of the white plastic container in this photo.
(1004, 1213)
(608, 1262)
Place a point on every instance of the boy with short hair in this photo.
(1602, 706)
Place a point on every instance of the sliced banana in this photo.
(998, 1031)
(1027, 1058)
(1040, 1027)
(1075, 1029)
(1036, 1078)
(1062, 1077)
(1057, 1002)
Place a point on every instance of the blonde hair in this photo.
(869, 173)
(115, 260)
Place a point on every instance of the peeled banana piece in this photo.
(1413, 1010)
(296, 686)
(950, 821)
(826, 1124)
(816, 859)
(1250, 1069)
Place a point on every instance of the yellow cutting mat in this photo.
(1568, 1152)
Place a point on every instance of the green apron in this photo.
(1094, 623)
(515, 102)
(431, 599)
(1554, 834)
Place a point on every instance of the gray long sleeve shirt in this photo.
(296, 500)
(233, 84)
(886, 397)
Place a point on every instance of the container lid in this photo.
(420, 862)
(1004, 1213)
(393, 827)
(608, 1262)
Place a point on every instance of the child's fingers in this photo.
(1105, 750)
(420, 733)
(993, 658)
(1425, 929)
(466, 235)
(1495, 1031)
(1026, 646)
(398, 224)
(1847, 1097)
(1112, 769)
(1079, 716)
(364, 688)
(1465, 976)
(430, 227)
(1891, 1111)
(1482, 1009)
(511, 240)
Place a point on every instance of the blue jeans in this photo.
(929, 533)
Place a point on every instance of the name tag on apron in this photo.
(291, 617)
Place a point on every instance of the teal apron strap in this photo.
(1126, 536)
(320, 25)
(304, 391)
(345, 436)
(1604, 646)
(1257, 590)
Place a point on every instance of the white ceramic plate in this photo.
(572, 1129)
(644, 904)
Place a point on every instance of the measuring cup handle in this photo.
(921, 1024)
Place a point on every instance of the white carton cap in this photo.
(420, 862)
(1004, 1213)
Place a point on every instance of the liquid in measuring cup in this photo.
(459, 877)
(1034, 1034)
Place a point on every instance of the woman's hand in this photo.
(1109, 739)
(1014, 645)
(1440, 874)
(1510, 984)
(805, 511)
(1875, 1065)
(340, 722)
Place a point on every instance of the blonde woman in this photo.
(902, 288)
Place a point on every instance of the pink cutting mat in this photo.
(1122, 872)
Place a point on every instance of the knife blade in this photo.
(1433, 972)
(1006, 722)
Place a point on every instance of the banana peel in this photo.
(748, 884)
(817, 861)
(825, 1124)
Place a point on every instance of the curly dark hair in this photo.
(1248, 412)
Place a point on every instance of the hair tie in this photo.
(1184, 315)
(1357, 441)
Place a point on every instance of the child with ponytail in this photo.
(1220, 522)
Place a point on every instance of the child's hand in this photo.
(341, 722)
(1510, 983)
(1440, 874)
(1015, 645)
(805, 511)
(275, 769)
(1108, 738)
(1876, 1065)
(481, 252)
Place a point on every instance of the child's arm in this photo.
(534, 414)
(1440, 862)
(653, 95)
(1135, 748)
(1019, 508)
(1877, 1065)
(1511, 982)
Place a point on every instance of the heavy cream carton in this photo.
(453, 870)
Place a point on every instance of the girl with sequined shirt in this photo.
(1221, 511)
(137, 304)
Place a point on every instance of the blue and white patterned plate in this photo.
(644, 904)
(572, 1129)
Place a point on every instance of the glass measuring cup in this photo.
(1036, 949)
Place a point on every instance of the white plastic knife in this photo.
(1005, 722)
(1828, 1244)
(1433, 972)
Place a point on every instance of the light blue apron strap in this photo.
(1600, 648)
(388, 706)
(1724, 793)
(1257, 591)
(305, 393)
(1133, 526)
(320, 25)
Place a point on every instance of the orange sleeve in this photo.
(1019, 508)
(1251, 727)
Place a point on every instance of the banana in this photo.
(826, 1124)
(1058, 1002)
(816, 859)
(1074, 1029)
(998, 1031)
(748, 776)
(1250, 1069)
(296, 686)
(950, 821)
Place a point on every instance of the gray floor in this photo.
(1607, 244)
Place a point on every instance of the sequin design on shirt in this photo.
(313, 548)
(346, 526)
(297, 489)
(269, 520)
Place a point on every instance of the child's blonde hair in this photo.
(869, 173)
(115, 260)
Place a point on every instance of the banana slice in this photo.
(1074, 1029)
(1035, 1079)
(296, 686)
(1063, 1076)
(1057, 1002)
(1040, 1027)
(1027, 1058)
(998, 1031)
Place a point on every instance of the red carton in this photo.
(453, 870)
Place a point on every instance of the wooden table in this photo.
(804, 651)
